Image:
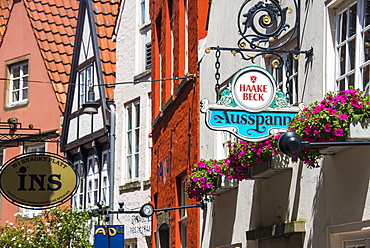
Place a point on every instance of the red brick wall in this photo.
(176, 116)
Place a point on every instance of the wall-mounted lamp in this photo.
(90, 107)
(290, 143)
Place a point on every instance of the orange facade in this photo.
(176, 28)
(39, 101)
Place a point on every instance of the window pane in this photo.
(24, 94)
(351, 80)
(25, 69)
(367, 45)
(137, 140)
(366, 78)
(342, 60)
(16, 84)
(341, 85)
(352, 53)
(16, 72)
(129, 118)
(137, 121)
(143, 12)
(344, 27)
(15, 96)
(352, 20)
(137, 165)
(129, 143)
(129, 166)
(367, 12)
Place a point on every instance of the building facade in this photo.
(176, 28)
(88, 126)
(133, 119)
(36, 52)
(298, 207)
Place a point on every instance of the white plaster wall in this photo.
(128, 47)
(334, 194)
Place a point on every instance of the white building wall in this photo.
(331, 199)
(134, 192)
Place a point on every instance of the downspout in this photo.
(112, 156)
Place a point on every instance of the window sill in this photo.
(142, 74)
(134, 186)
(16, 106)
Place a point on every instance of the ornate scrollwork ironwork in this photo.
(264, 23)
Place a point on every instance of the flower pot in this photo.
(225, 184)
(275, 165)
(358, 131)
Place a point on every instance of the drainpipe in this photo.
(112, 156)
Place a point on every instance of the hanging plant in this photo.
(202, 179)
(243, 155)
(328, 121)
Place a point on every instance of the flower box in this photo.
(225, 184)
(277, 164)
(358, 131)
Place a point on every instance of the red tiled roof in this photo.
(55, 22)
(106, 13)
(5, 9)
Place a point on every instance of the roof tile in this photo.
(54, 23)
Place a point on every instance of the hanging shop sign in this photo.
(38, 181)
(252, 109)
(109, 236)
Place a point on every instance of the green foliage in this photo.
(58, 227)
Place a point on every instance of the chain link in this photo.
(288, 74)
(217, 74)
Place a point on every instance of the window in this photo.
(37, 148)
(144, 10)
(92, 181)
(148, 55)
(132, 139)
(105, 178)
(286, 76)
(86, 81)
(130, 243)
(352, 45)
(183, 213)
(355, 244)
(18, 88)
(78, 198)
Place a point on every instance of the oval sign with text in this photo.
(253, 88)
(38, 181)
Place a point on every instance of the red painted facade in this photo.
(176, 30)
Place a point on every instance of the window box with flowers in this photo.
(339, 117)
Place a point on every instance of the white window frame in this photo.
(92, 181)
(360, 65)
(22, 91)
(86, 79)
(105, 184)
(132, 138)
(144, 12)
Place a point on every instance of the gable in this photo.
(93, 66)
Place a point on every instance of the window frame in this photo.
(8, 92)
(132, 133)
(344, 72)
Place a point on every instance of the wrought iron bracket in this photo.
(260, 24)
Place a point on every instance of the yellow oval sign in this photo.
(38, 181)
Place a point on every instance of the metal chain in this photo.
(288, 74)
(217, 74)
